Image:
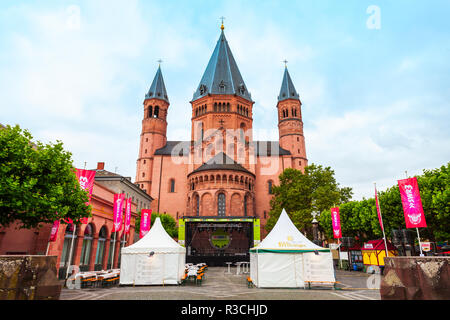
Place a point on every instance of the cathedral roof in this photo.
(221, 162)
(222, 74)
(157, 89)
(287, 90)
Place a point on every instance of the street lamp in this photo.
(315, 225)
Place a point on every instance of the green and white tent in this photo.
(286, 258)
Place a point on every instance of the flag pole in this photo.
(381, 221)
(114, 249)
(71, 249)
(417, 229)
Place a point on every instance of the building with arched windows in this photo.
(218, 184)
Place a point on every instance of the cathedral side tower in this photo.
(290, 124)
(154, 130)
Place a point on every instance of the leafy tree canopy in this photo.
(38, 183)
(168, 222)
(303, 193)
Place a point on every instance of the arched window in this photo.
(228, 107)
(86, 249)
(197, 205)
(156, 113)
(245, 205)
(68, 236)
(221, 208)
(111, 246)
(150, 110)
(172, 185)
(100, 249)
(215, 106)
(269, 186)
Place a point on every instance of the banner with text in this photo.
(378, 210)
(54, 231)
(86, 180)
(336, 223)
(118, 210)
(412, 203)
(127, 216)
(146, 216)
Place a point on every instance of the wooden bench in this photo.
(333, 283)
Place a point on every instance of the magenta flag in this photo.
(127, 216)
(378, 210)
(146, 216)
(336, 223)
(54, 231)
(86, 180)
(118, 210)
(412, 204)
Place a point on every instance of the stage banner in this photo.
(378, 210)
(146, 218)
(118, 210)
(54, 231)
(86, 180)
(412, 204)
(336, 223)
(127, 215)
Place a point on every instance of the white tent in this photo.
(286, 258)
(165, 266)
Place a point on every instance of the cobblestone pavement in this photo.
(219, 285)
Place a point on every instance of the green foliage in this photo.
(359, 218)
(37, 182)
(168, 222)
(301, 194)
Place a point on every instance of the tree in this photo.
(38, 183)
(359, 218)
(167, 221)
(302, 193)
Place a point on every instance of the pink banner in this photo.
(412, 204)
(146, 216)
(86, 180)
(336, 223)
(54, 231)
(127, 216)
(118, 210)
(378, 210)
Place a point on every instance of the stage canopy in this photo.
(286, 258)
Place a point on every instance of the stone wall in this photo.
(416, 278)
(29, 278)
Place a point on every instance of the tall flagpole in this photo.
(417, 229)
(71, 249)
(114, 249)
(381, 220)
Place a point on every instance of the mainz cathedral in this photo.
(218, 184)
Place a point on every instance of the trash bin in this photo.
(355, 267)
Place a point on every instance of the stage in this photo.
(216, 241)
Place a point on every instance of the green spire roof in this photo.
(157, 89)
(287, 90)
(222, 74)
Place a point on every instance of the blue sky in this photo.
(375, 100)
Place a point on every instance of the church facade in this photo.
(217, 183)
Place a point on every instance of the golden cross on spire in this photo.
(285, 63)
(222, 27)
(159, 61)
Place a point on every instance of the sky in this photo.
(373, 76)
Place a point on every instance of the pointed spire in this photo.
(222, 74)
(158, 89)
(287, 90)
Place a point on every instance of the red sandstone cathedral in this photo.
(220, 173)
